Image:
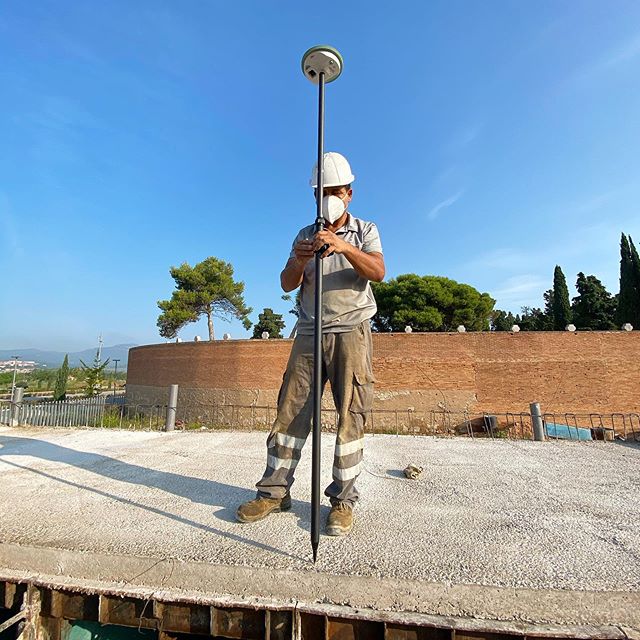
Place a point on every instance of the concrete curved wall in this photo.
(578, 372)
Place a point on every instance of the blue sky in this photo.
(490, 142)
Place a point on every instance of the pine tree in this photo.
(60, 390)
(502, 320)
(533, 319)
(206, 289)
(429, 303)
(94, 375)
(593, 307)
(629, 296)
(270, 322)
(561, 306)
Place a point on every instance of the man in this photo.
(352, 256)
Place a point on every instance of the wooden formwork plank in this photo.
(484, 635)
(342, 629)
(244, 624)
(12, 594)
(411, 632)
(129, 612)
(183, 618)
(69, 605)
(311, 626)
(28, 629)
(52, 628)
(279, 625)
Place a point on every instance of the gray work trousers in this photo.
(347, 365)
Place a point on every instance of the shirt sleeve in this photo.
(371, 242)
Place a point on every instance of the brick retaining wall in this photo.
(580, 372)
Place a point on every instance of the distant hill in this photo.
(53, 359)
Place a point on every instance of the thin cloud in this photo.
(62, 114)
(463, 137)
(509, 258)
(433, 214)
(621, 54)
(612, 58)
(520, 291)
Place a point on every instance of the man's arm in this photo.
(368, 265)
(291, 276)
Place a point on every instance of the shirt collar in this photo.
(350, 225)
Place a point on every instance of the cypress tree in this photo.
(561, 306)
(635, 278)
(60, 389)
(628, 299)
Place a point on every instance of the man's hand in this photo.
(304, 251)
(291, 276)
(334, 244)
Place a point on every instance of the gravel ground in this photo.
(493, 513)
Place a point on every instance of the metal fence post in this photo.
(171, 408)
(536, 421)
(16, 406)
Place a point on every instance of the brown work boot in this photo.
(340, 520)
(260, 508)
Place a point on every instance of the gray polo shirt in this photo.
(347, 299)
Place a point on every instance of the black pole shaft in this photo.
(317, 338)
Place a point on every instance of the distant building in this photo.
(22, 366)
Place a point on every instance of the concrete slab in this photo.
(494, 529)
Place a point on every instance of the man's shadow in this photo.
(208, 492)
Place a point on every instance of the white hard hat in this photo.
(336, 171)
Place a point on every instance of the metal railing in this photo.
(566, 426)
(100, 411)
(110, 412)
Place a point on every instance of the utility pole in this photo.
(15, 368)
(116, 360)
(99, 346)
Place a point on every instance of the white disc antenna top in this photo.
(322, 59)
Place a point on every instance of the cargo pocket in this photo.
(362, 399)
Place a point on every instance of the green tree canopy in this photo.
(560, 304)
(545, 319)
(270, 322)
(60, 390)
(502, 320)
(430, 303)
(593, 307)
(206, 289)
(629, 296)
(94, 375)
(295, 309)
(533, 319)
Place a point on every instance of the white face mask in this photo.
(332, 208)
